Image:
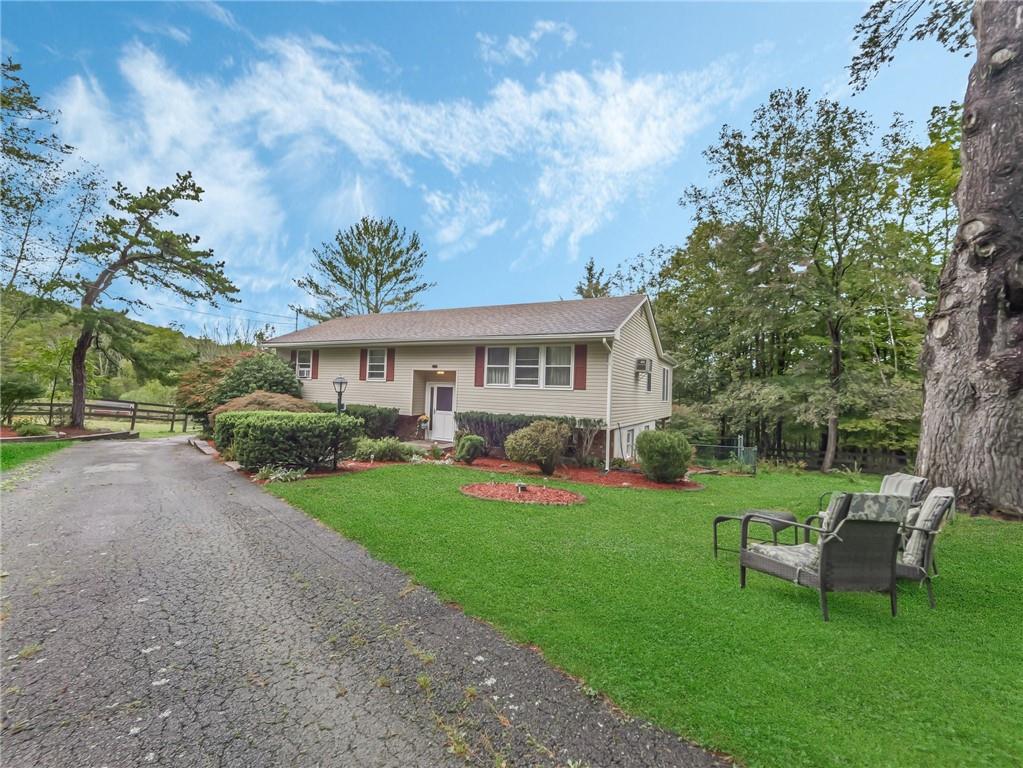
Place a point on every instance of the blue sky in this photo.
(517, 139)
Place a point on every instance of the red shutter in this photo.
(481, 362)
(580, 367)
(316, 364)
(362, 365)
(389, 375)
(294, 357)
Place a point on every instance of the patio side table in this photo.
(779, 522)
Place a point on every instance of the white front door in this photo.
(440, 403)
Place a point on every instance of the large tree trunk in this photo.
(972, 432)
(78, 377)
(835, 381)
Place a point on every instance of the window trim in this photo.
(299, 366)
(383, 370)
(541, 364)
(665, 385)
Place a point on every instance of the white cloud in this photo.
(523, 49)
(218, 13)
(177, 34)
(571, 146)
(165, 126)
(459, 221)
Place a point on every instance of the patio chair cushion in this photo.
(804, 556)
(878, 507)
(901, 484)
(837, 509)
(931, 514)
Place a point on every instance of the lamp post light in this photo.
(340, 385)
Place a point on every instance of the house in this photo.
(588, 358)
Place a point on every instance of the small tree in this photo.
(542, 443)
(261, 371)
(594, 284)
(373, 266)
(17, 388)
(130, 246)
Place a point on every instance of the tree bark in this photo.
(972, 429)
(834, 379)
(78, 377)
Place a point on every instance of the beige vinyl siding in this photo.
(404, 393)
(630, 402)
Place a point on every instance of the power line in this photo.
(213, 314)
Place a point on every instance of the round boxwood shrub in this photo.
(542, 443)
(663, 455)
(264, 371)
(470, 448)
(271, 439)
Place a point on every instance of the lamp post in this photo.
(340, 385)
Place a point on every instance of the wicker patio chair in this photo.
(855, 550)
(916, 561)
(895, 484)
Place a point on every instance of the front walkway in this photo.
(163, 610)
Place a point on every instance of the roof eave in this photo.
(595, 335)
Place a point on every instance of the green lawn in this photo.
(146, 429)
(11, 455)
(623, 592)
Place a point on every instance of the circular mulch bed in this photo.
(532, 494)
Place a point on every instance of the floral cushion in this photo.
(901, 484)
(836, 511)
(930, 517)
(878, 507)
(804, 556)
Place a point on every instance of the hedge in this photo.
(379, 422)
(494, 428)
(268, 438)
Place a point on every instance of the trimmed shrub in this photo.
(261, 400)
(542, 443)
(495, 428)
(267, 438)
(663, 455)
(263, 371)
(382, 449)
(470, 448)
(17, 388)
(31, 429)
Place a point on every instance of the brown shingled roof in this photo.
(549, 318)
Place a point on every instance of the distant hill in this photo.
(141, 363)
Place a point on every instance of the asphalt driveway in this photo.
(163, 610)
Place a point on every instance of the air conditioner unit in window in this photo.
(644, 365)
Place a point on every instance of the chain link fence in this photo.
(731, 456)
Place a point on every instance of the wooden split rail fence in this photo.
(118, 410)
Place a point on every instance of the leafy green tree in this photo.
(17, 387)
(48, 197)
(373, 266)
(972, 360)
(593, 284)
(130, 248)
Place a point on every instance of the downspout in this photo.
(607, 414)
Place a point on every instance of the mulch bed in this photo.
(66, 431)
(531, 494)
(616, 478)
